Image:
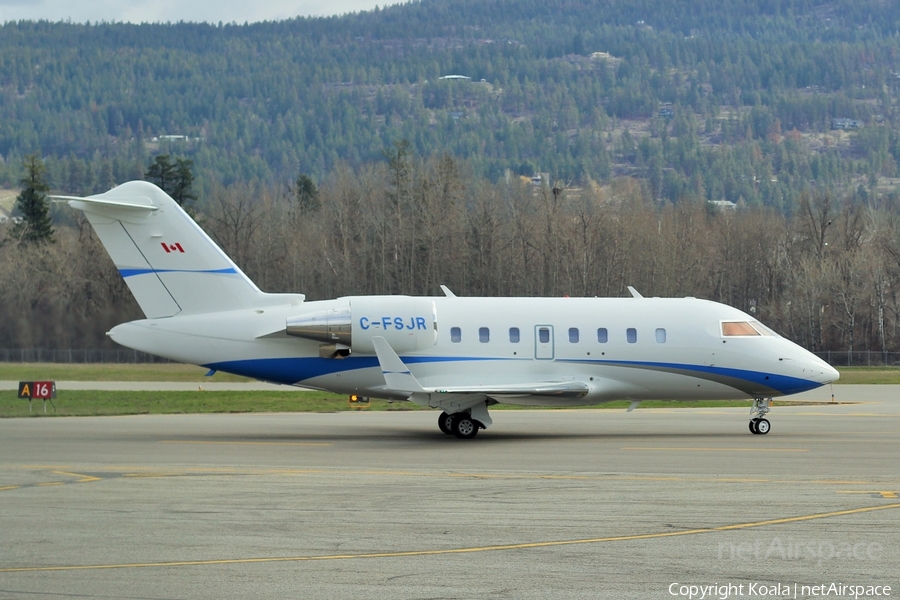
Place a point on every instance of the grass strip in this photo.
(110, 372)
(96, 403)
(108, 403)
(869, 376)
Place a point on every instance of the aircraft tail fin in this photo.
(169, 263)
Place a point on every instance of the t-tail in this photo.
(170, 264)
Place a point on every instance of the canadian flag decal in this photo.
(176, 247)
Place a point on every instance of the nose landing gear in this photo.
(759, 425)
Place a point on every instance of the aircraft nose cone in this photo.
(823, 372)
(830, 374)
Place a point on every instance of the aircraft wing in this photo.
(398, 378)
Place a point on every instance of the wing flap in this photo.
(554, 389)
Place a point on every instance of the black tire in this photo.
(753, 426)
(763, 426)
(445, 422)
(464, 426)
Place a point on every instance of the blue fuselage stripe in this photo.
(297, 370)
(737, 378)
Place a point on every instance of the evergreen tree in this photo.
(176, 179)
(161, 172)
(32, 203)
(306, 194)
(182, 191)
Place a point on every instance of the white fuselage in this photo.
(621, 348)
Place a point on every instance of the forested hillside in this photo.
(730, 99)
(334, 156)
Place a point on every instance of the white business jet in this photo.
(460, 355)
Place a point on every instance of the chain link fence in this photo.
(106, 355)
(860, 358)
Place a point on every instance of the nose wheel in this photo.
(759, 425)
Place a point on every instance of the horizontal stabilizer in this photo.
(133, 203)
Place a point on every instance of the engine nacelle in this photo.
(407, 323)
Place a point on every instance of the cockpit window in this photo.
(735, 328)
(745, 329)
(762, 329)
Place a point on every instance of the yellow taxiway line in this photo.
(244, 443)
(473, 549)
(688, 449)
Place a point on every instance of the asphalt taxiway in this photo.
(545, 504)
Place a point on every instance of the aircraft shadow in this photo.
(436, 437)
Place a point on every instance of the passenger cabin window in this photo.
(544, 335)
(660, 336)
(631, 335)
(455, 334)
(484, 335)
(573, 335)
(514, 335)
(745, 329)
(602, 335)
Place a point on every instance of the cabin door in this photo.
(543, 342)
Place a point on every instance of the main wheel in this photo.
(753, 423)
(445, 422)
(763, 426)
(464, 427)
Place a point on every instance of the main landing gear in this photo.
(460, 424)
(759, 425)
